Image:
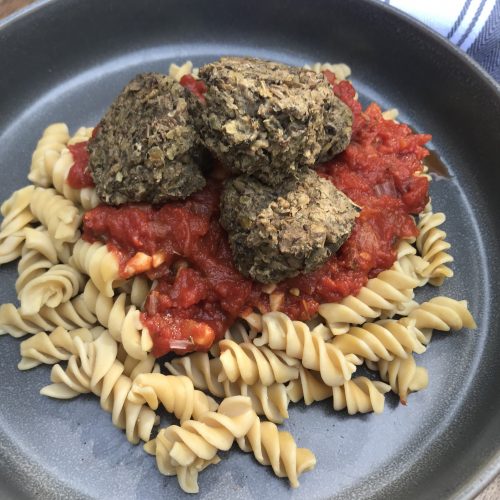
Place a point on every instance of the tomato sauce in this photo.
(199, 291)
(79, 175)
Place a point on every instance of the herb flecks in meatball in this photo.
(145, 148)
(268, 119)
(277, 233)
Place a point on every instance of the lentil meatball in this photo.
(145, 148)
(268, 119)
(277, 233)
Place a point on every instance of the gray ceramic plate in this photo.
(65, 60)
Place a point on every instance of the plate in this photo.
(66, 60)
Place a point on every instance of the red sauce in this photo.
(200, 292)
(196, 87)
(79, 175)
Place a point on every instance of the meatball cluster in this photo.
(279, 232)
(268, 119)
(266, 122)
(145, 147)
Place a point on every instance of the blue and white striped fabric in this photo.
(472, 25)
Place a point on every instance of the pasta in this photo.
(175, 393)
(403, 375)
(271, 401)
(96, 261)
(384, 339)
(59, 215)
(390, 290)
(56, 285)
(179, 449)
(16, 217)
(254, 364)
(299, 342)
(358, 395)
(57, 346)
(277, 449)
(47, 152)
(96, 369)
(432, 247)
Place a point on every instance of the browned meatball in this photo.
(145, 148)
(277, 233)
(268, 119)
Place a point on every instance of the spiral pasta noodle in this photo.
(403, 375)
(59, 215)
(96, 369)
(384, 339)
(271, 401)
(176, 394)
(47, 152)
(70, 315)
(254, 364)
(277, 449)
(58, 284)
(185, 450)
(96, 261)
(16, 217)
(299, 342)
(387, 292)
(433, 248)
(52, 348)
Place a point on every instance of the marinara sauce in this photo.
(199, 292)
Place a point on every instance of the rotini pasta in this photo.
(176, 393)
(299, 342)
(277, 449)
(433, 248)
(271, 401)
(387, 292)
(96, 261)
(254, 364)
(403, 375)
(96, 369)
(57, 346)
(16, 217)
(59, 215)
(58, 284)
(47, 152)
(186, 449)
(384, 339)
(69, 315)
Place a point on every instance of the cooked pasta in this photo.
(96, 261)
(175, 393)
(59, 215)
(388, 292)
(403, 375)
(16, 217)
(254, 364)
(299, 342)
(384, 339)
(358, 395)
(49, 349)
(47, 152)
(433, 248)
(31, 265)
(96, 369)
(70, 315)
(58, 284)
(277, 449)
(179, 449)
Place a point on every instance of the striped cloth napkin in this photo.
(472, 25)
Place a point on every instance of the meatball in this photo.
(277, 233)
(268, 119)
(145, 148)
